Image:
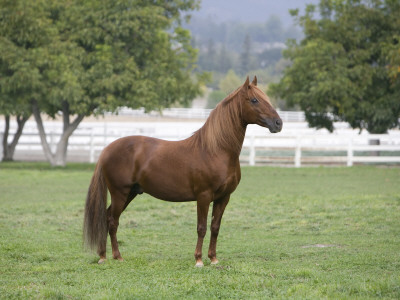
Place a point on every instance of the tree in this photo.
(224, 60)
(392, 52)
(103, 55)
(245, 55)
(14, 93)
(340, 70)
(23, 29)
(208, 59)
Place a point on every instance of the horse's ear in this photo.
(246, 84)
(254, 82)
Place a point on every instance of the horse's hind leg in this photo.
(119, 201)
(102, 250)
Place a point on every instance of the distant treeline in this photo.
(238, 46)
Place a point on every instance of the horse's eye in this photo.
(254, 100)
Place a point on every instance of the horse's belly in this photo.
(168, 187)
(167, 193)
(171, 197)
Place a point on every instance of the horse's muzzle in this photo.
(274, 124)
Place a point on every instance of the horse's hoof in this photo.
(214, 261)
(101, 261)
(199, 264)
(119, 258)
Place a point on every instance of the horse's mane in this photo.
(221, 130)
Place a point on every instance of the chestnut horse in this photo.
(204, 168)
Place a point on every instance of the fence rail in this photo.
(296, 145)
(321, 149)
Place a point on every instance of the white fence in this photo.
(322, 149)
(296, 145)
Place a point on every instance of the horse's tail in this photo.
(95, 226)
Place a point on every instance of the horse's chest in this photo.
(226, 183)
(226, 188)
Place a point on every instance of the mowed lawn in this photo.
(305, 233)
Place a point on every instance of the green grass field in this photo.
(307, 233)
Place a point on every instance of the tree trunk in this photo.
(9, 149)
(5, 138)
(59, 158)
(42, 134)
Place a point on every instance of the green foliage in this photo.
(392, 52)
(340, 71)
(96, 55)
(87, 57)
(129, 57)
(267, 243)
(24, 30)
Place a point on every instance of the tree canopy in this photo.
(23, 32)
(120, 53)
(346, 66)
(77, 58)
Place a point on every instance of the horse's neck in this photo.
(239, 132)
(222, 135)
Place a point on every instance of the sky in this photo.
(250, 11)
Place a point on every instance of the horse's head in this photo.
(257, 109)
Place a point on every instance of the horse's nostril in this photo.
(278, 122)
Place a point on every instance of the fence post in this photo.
(91, 155)
(252, 155)
(350, 153)
(297, 154)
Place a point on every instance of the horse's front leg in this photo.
(218, 210)
(203, 203)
